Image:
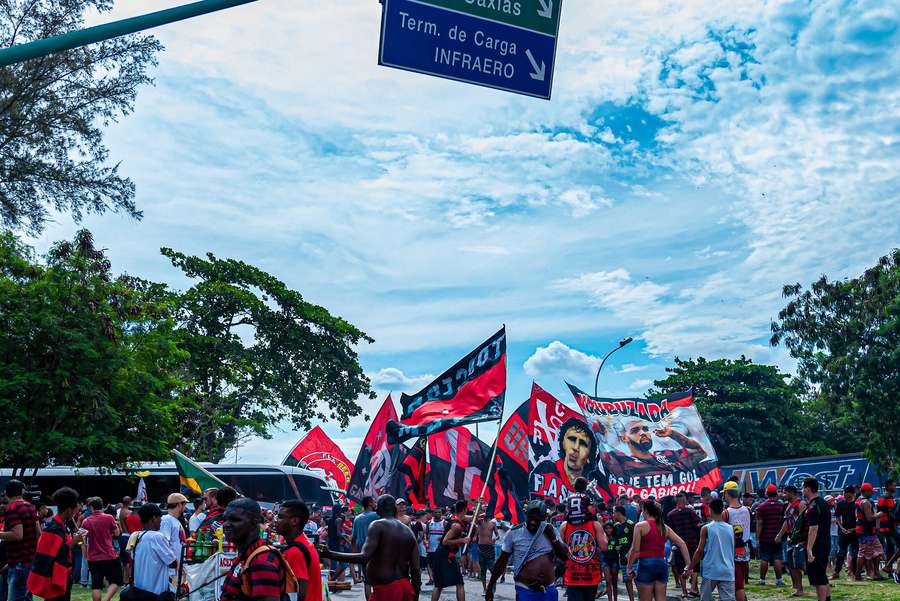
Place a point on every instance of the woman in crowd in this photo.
(648, 551)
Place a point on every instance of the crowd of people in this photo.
(582, 544)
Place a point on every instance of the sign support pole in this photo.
(99, 33)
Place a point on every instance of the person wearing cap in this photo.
(796, 552)
(870, 549)
(532, 546)
(402, 514)
(769, 520)
(171, 527)
(585, 540)
(739, 517)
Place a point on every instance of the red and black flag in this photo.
(458, 461)
(514, 450)
(471, 391)
(377, 459)
(408, 479)
(501, 498)
(317, 451)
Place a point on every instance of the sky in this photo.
(695, 157)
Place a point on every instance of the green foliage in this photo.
(52, 108)
(101, 370)
(260, 354)
(846, 338)
(751, 412)
(86, 376)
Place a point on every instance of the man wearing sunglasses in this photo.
(641, 460)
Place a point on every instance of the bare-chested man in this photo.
(486, 536)
(391, 553)
(532, 546)
(402, 513)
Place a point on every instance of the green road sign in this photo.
(536, 15)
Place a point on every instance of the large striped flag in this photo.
(471, 391)
(192, 476)
(458, 460)
(377, 459)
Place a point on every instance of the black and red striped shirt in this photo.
(769, 519)
(21, 513)
(264, 575)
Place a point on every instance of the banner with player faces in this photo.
(654, 447)
(561, 447)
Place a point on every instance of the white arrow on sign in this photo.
(539, 72)
(546, 9)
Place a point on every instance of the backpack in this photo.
(288, 588)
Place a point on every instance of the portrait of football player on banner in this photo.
(562, 449)
(651, 446)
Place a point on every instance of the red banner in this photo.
(562, 447)
(318, 451)
(377, 459)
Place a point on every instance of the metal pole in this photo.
(622, 343)
(99, 33)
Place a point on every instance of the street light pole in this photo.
(99, 33)
(622, 343)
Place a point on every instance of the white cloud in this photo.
(560, 360)
(640, 384)
(394, 379)
(628, 368)
(429, 212)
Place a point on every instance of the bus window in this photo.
(270, 488)
(311, 490)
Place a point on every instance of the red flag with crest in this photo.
(318, 451)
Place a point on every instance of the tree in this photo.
(751, 412)
(51, 113)
(260, 354)
(86, 360)
(846, 337)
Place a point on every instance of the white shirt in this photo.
(502, 530)
(171, 529)
(195, 521)
(152, 556)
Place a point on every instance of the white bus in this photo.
(268, 484)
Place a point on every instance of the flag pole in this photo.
(487, 479)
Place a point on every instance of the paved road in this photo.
(505, 592)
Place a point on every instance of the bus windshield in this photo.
(311, 492)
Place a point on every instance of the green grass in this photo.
(844, 589)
